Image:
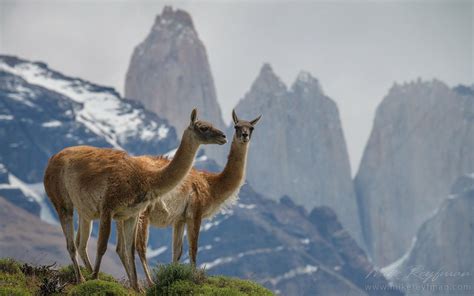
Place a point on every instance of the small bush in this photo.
(166, 275)
(14, 291)
(181, 279)
(98, 288)
(8, 265)
(244, 287)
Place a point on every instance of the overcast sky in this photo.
(357, 49)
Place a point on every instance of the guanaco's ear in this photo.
(234, 117)
(254, 122)
(193, 116)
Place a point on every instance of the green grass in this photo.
(99, 288)
(8, 265)
(183, 279)
(66, 274)
(20, 279)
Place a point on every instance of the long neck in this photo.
(170, 176)
(233, 175)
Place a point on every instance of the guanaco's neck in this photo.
(170, 176)
(233, 175)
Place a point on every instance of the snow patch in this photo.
(21, 99)
(305, 241)
(246, 206)
(202, 158)
(53, 123)
(151, 253)
(304, 270)
(224, 260)
(3, 169)
(34, 192)
(6, 117)
(170, 154)
(163, 132)
(392, 270)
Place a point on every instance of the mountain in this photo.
(422, 140)
(442, 254)
(275, 243)
(169, 72)
(25, 237)
(43, 111)
(298, 148)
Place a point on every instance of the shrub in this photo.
(8, 265)
(98, 288)
(244, 287)
(166, 275)
(181, 279)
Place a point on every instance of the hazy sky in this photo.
(357, 49)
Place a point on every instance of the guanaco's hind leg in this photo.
(126, 234)
(142, 243)
(104, 234)
(193, 226)
(67, 225)
(178, 231)
(82, 238)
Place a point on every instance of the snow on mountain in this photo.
(103, 111)
(43, 111)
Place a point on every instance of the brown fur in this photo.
(199, 196)
(109, 184)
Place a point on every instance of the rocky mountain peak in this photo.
(170, 74)
(170, 16)
(314, 170)
(420, 143)
(267, 81)
(305, 82)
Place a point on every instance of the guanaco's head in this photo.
(203, 132)
(243, 128)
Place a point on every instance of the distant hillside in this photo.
(25, 237)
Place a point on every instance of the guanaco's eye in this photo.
(204, 128)
(251, 128)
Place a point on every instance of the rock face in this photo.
(443, 252)
(169, 72)
(298, 147)
(422, 140)
(43, 111)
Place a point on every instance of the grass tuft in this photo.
(98, 288)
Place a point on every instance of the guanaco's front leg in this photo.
(142, 243)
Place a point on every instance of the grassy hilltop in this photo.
(18, 279)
